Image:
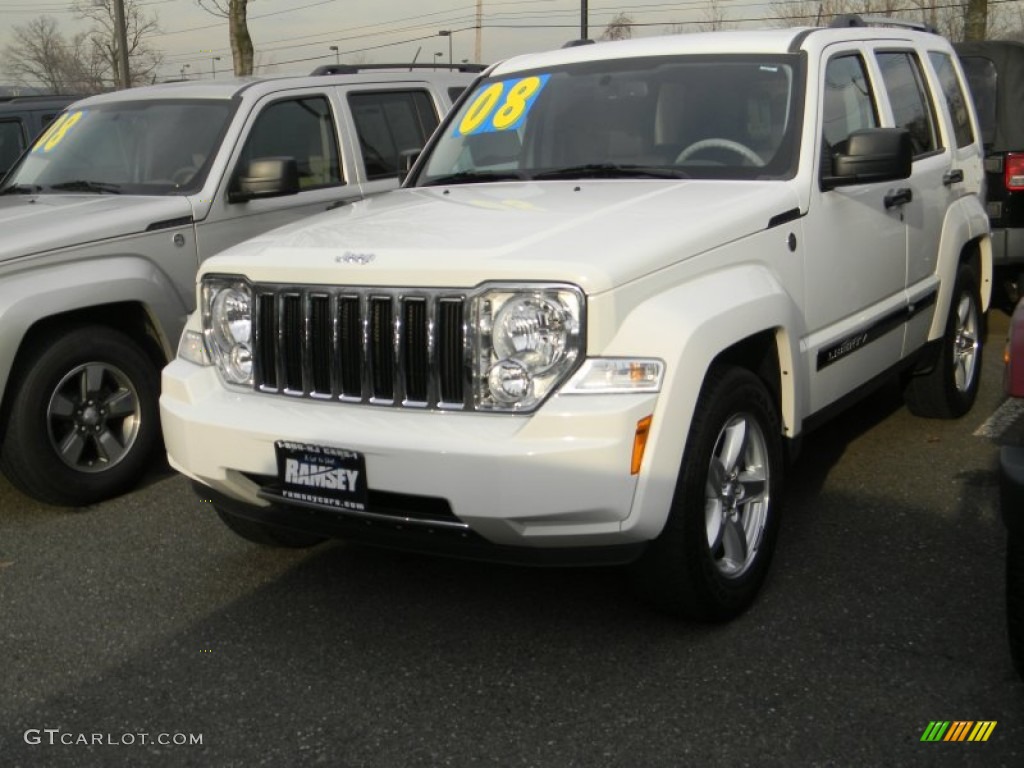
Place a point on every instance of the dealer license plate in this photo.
(320, 474)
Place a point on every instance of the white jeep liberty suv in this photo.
(617, 282)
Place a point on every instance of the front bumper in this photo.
(558, 478)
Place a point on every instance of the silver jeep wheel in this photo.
(93, 417)
(737, 502)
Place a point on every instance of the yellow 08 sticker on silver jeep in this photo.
(55, 134)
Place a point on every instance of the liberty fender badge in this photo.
(355, 258)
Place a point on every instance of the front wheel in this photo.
(83, 422)
(713, 555)
(949, 389)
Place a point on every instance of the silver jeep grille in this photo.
(382, 346)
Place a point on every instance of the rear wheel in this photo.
(83, 422)
(268, 535)
(713, 555)
(949, 389)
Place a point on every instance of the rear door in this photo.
(386, 123)
(934, 184)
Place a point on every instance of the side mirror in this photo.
(266, 177)
(406, 160)
(870, 155)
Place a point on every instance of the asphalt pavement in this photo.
(142, 632)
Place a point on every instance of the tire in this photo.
(949, 389)
(713, 555)
(267, 535)
(83, 421)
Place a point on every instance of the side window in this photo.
(848, 104)
(388, 122)
(982, 79)
(12, 142)
(956, 101)
(300, 128)
(911, 106)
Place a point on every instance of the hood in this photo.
(35, 224)
(597, 234)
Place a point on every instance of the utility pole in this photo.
(122, 43)
(479, 29)
(583, 19)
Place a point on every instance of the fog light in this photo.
(509, 381)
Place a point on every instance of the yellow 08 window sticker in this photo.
(501, 106)
(55, 134)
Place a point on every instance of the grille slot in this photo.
(380, 346)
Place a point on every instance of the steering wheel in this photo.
(734, 146)
(183, 175)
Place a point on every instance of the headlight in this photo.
(227, 327)
(528, 339)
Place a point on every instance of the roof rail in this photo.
(574, 43)
(858, 20)
(353, 69)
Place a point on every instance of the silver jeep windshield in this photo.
(130, 147)
(701, 117)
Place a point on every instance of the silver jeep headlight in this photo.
(227, 327)
(528, 340)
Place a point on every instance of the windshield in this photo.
(132, 147)
(700, 117)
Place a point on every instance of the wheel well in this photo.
(129, 318)
(759, 355)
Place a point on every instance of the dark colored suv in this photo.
(22, 119)
(995, 72)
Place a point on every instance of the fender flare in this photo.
(965, 222)
(712, 314)
(34, 295)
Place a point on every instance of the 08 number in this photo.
(505, 113)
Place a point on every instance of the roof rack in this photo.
(858, 20)
(354, 69)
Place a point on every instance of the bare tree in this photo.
(714, 16)
(235, 11)
(143, 61)
(39, 55)
(618, 28)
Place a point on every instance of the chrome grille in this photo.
(383, 346)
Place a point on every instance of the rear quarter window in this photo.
(982, 79)
(956, 101)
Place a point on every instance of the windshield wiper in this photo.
(611, 171)
(84, 185)
(21, 189)
(473, 177)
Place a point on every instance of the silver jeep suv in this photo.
(106, 218)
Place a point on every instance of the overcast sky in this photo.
(295, 35)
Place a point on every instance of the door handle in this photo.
(896, 197)
(954, 176)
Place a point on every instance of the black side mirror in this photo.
(266, 177)
(870, 155)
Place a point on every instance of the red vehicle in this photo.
(1011, 492)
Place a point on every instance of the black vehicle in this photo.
(995, 72)
(22, 118)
